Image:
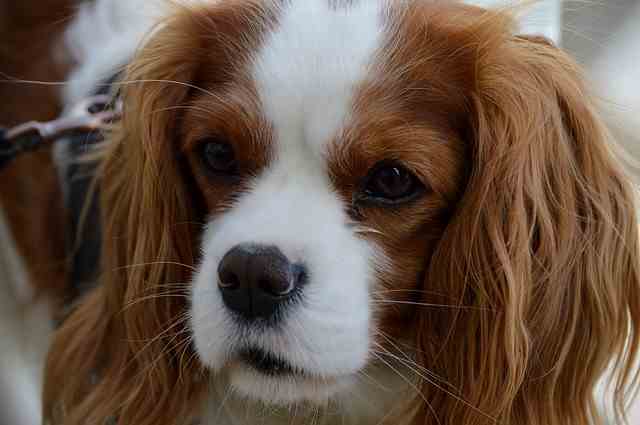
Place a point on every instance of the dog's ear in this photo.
(542, 252)
(128, 342)
(119, 353)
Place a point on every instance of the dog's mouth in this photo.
(267, 363)
(267, 376)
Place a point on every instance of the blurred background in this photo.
(603, 35)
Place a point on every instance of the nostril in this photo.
(282, 281)
(279, 285)
(271, 286)
(300, 275)
(229, 280)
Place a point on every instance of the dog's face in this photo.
(319, 190)
(300, 191)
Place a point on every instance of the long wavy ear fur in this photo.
(128, 343)
(543, 247)
(121, 355)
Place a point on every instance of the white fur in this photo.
(305, 73)
(542, 17)
(105, 35)
(25, 326)
(307, 95)
(378, 393)
(326, 335)
(102, 39)
(308, 69)
(306, 76)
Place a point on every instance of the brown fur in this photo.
(542, 250)
(238, 122)
(155, 375)
(29, 192)
(528, 232)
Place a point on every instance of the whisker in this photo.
(195, 223)
(190, 359)
(225, 399)
(13, 80)
(182, 108)
(167, 294)
(183, 331)
(408, 381)
(166, 348)
(156, 263)
(435, 384)
(415, 303)
(412, 291)
(183, 347)
(179, 83)
(174, 285)
(180, 320)
(372, 380)
(412, 362)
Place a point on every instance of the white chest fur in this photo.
(376, 398)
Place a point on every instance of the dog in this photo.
(358, 212)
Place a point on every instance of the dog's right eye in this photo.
(391, 183)
(218, 156)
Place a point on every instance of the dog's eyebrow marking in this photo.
(307, 75)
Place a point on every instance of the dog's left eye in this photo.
(391, 183)
(218, 156)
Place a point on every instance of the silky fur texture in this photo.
(506, 291)
(302, 106)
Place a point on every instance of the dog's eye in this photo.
(218, 156)
(391, 183)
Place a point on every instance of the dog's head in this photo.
(301, 191)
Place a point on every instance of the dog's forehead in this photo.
(309, 67)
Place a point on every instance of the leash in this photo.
(88, 116)
(76, 132)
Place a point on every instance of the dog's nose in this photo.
(255, 280)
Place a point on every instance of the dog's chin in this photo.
(261, 377)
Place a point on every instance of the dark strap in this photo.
(6, 153)
(84, 228)
(80, 128)
(84, 231)
(10, 148)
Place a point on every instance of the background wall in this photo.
(605, 37)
